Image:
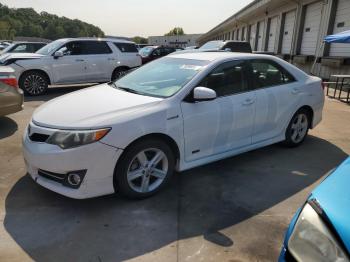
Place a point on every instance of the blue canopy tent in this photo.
(342, 38)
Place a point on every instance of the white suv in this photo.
(73, 61)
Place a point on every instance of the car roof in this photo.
(26, 42)
(116, 40)
(212, 56)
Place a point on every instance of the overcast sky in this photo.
(140, 17)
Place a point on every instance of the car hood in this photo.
(333, 196)
(97, 106)
(19, 56)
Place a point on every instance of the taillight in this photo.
(9, 80)
(324, 85)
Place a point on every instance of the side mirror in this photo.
(58, 54)
(203, 94)
(228, 49)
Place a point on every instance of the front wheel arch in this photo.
(163, 137)
(36, 70)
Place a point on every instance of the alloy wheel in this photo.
(299, 128)
(34, 84)
(147, 170)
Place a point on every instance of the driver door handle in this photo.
(79, 60)
(248, 102)
(295, 91)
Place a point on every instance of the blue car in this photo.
(320, 230)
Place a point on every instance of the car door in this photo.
(71, 67)
(223, 124)
(99, 61)
(128, 54)
(276, 98)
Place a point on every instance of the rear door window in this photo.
(95, 48)
(126, 47)
(267, 73)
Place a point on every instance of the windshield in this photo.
(8, 48)
(146, 51)
(212, 45)
(161, 78)
(53, 46)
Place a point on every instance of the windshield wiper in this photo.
(126, 89)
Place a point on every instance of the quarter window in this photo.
(126, 47)
(268, 73)
(227, 79)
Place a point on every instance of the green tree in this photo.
(27, 22)
(140, 40)
(175, 31)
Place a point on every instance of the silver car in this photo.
(11, 97)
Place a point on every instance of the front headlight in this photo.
(69, 139)
(311, 239)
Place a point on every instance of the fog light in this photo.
(74, 179)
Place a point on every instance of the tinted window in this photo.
(72, 48)
(238, 47)
(95, 48)
(268, 73)
(36, 47)
(227, 79)
(126, 47)
(20, 48)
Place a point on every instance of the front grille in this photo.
(52, 176)
(36, 137)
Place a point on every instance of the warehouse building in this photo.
(293, 30)
(175, 40)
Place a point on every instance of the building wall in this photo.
(292, 30)
(175, 41)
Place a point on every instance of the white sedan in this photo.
(176, 113)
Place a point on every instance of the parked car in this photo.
(232, 46)
(191, 47)
(150, 53)
(220, 45)
(140, 46)
(11, 97)
(175, 113)
(73, 61)
(320, 231)
(23, 47)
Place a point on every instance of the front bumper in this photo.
(97, 159)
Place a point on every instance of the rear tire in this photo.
(118, 73)
(298, 128)
(144, 169)
(34, 83)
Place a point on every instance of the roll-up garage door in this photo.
(311, 28)
(244, 34)
(288, 30)
(252, 36)
(260, 35)
(272, 34)
(342, 23)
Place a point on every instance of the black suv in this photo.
(232, 46)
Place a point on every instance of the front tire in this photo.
(144, 169)
(33, 83)
(298, 128)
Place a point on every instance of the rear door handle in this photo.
(295, 91)
(111, 59)
(248, 102)
(79, 60)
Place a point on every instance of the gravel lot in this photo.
(233, 210)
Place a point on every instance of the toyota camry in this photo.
(173, 114)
